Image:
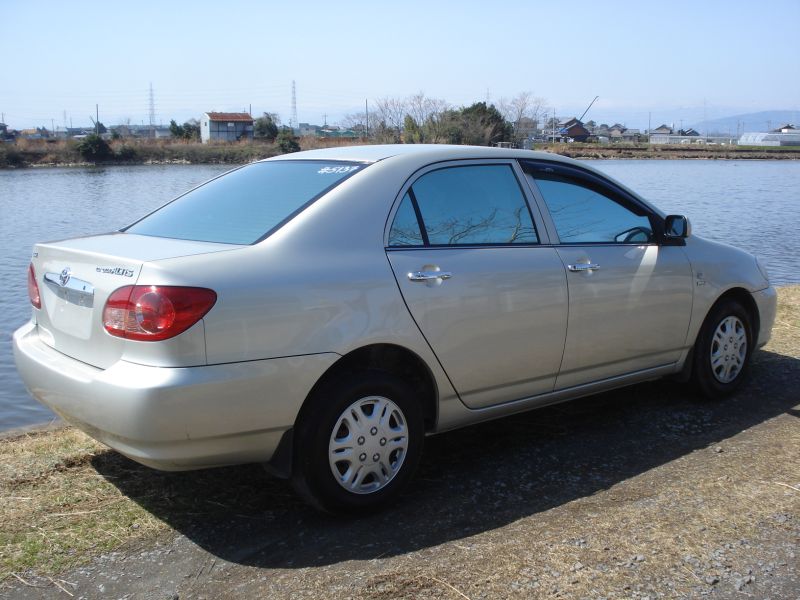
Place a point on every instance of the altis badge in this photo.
(122, 271)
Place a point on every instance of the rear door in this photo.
(630, 294)
(488, 296)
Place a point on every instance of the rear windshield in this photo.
(246, 205)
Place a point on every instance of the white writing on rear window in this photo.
(339, 170)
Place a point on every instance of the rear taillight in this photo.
(153, 313)
(33, 288)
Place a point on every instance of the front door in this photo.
(630, 297)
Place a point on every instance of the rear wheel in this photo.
(722, 351)
(358, 442)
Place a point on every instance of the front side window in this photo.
(461, 206)
(245, 205)
(583, 214)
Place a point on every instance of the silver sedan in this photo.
(322, 312)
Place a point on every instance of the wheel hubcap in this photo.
(368, 445)
(728, 349)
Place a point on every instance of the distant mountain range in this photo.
(750, 122)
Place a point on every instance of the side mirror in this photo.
(677, 226)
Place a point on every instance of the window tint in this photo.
(480, 204)
(583, 215)
(245, 205)
(405, 228)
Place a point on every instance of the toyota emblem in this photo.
(63, 279)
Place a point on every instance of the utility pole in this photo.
(649, 125)
(366, 118)
(53, 127)
(97, 119)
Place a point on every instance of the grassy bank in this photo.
(58, 153)
(672, 151)
(65, 499)
(43, 153)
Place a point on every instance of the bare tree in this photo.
(362, 122)
(426, 113)
(523, 106)
(390, 112)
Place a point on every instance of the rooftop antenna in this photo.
(587, 108)
(294, 122)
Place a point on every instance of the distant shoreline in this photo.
(43, 154)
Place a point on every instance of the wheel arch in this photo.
(745, 298)
(391, 358)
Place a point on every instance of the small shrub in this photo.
(287, 142)
(126, 153)
(9, 156)
(93, 148)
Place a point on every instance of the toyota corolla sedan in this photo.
(322, 312)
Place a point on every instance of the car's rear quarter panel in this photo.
(321, 284)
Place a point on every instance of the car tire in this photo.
(721, 362)
(358, 442)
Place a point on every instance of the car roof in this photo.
(378, 152)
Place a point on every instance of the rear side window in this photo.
(461, 206)
(245, 206)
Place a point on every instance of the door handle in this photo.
(429, 275)
(577, 268)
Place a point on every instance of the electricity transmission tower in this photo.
(152, 112)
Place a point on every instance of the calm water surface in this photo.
(752, 204)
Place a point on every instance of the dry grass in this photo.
(663, 525)
(55, 508)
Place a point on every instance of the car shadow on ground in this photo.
(470, 481)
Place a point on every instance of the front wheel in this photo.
(722, 351)
(358, 442)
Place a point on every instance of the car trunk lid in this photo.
(76, 277)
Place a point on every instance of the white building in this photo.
(783, 136)
(227, 127)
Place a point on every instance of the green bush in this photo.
(9, 156)
(126, 153)
(93, 148)
(287, 142)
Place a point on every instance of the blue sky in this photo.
(673, 60)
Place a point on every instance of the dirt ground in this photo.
(640, 493)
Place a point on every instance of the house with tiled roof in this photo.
(226, 127)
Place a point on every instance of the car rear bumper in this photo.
(173, 418)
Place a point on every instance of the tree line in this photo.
(420, 119)
(415, 119)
